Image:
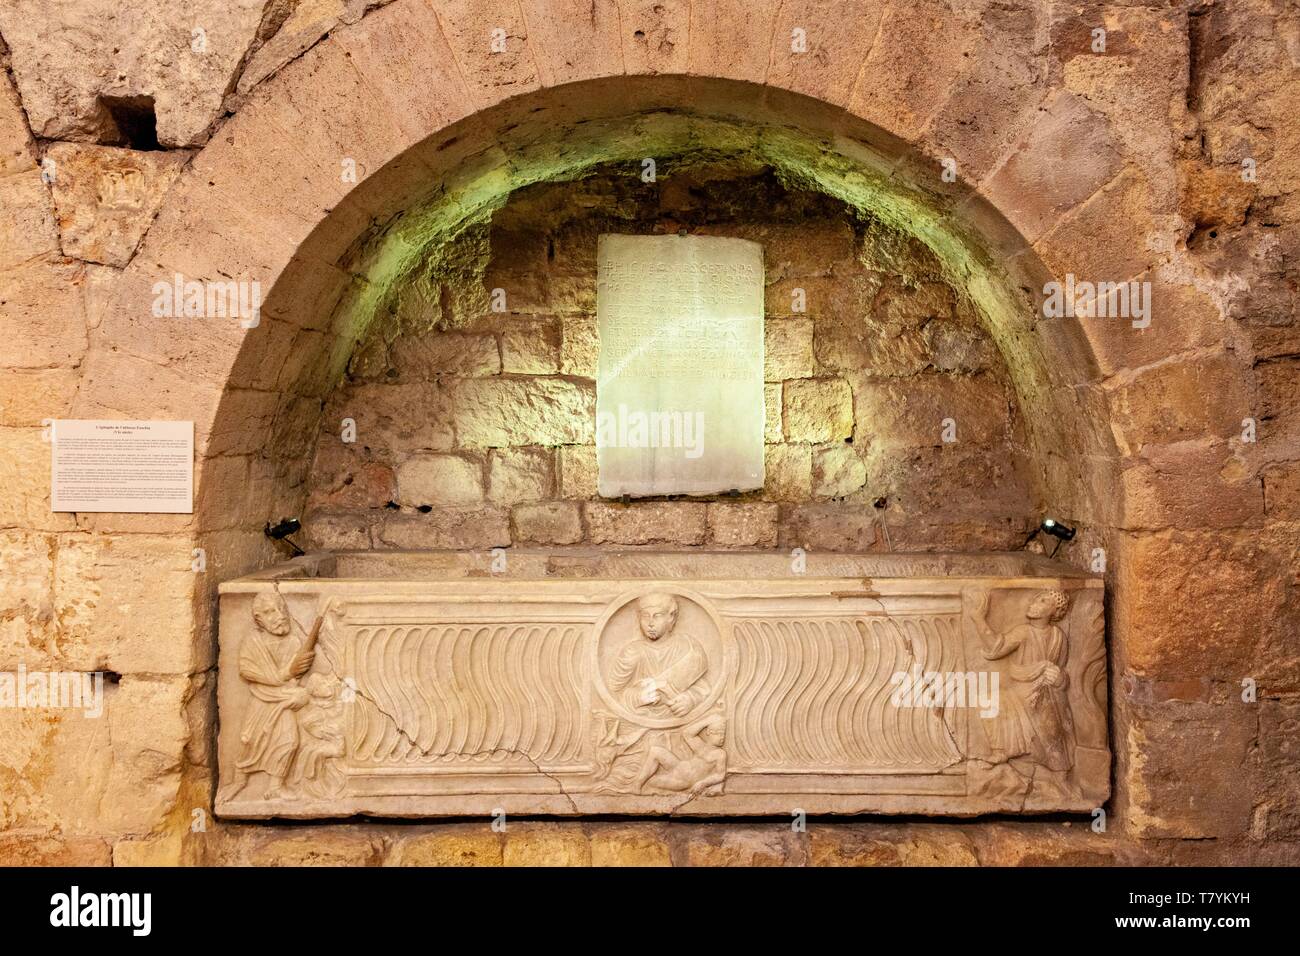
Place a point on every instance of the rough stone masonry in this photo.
(367, 162)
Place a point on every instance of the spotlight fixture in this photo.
(281, 531)
(1056, 529)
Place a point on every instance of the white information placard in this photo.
(127, 466)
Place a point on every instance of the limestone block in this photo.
(675, 522)
(1170, 746)
(68, 59)
(837, 845)
(730, 38)
(901, 301)
(959, 534)
(789, 473)
(1125, 212)
(1182, 317)
(957, 347)
(17, 149)
(29, 397)
(846, 345)
(36, 748)
(837, 471)
(962, 480)
(788, 349)
(525, 292)
(773, 427)
(812, 249)
(654, 35)
(531, 348)
(1168, 580)
(38, 849)
(1140, 83)
(105, 198)
(744, 846)
(818, 410)
(165, 850)
(441, 480)
(551, 522)
(1061, 160)
(25, 482)
(1167, 403)
(847, 295)
(520, 474)
(331, 848)
(748, 525)
(394, 418)
(1026, 844)
(29, 221)
(150, 732)
(492, 413)
(830, 527)
(546, 844)
(909, 327)
(579, 346)
(403, 44)
(1191, 485)
(305, 24)
(445, 528)
(1282, 491)
(471, 845)
(905, 79)
(994, 95)
(346, 531)
(28, 629)
(1278, 816)
(341, 477)
(574, 39)
(898, 414)
(469, 26)
(425, 357)
(113, 767)
(1279, 404)
(124, 602)
(825, 61)
(642, 845)
(577, 467)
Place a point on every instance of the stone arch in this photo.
(265, 202)
(438, 124)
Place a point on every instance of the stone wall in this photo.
(480, 431)
(1123, 163)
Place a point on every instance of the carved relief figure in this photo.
(702, 772)
(664, 674)
(121, 188)
(1033, 721)
(271, 664)
(321, 724)
(659, 677)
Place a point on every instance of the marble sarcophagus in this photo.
(434, 684)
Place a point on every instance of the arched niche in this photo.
(380, 242)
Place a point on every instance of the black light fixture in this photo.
(1056, 529)
(1061, 532)
(281, 531)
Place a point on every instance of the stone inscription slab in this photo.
(746, 695)
(679, 388)
(122, 466)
